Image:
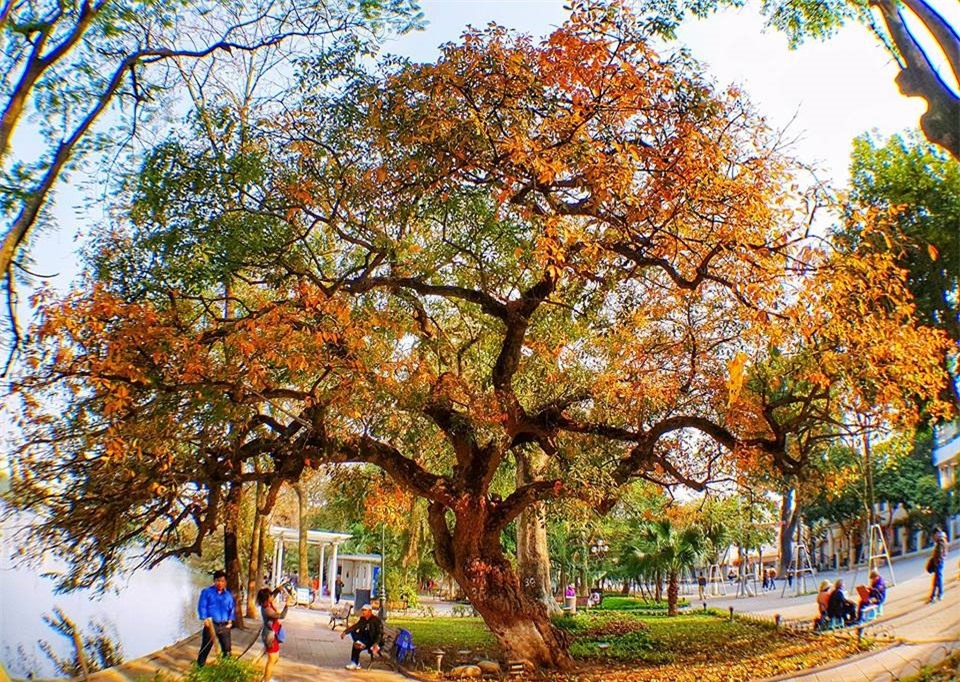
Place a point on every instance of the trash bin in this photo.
(361, 596)
(570, 604)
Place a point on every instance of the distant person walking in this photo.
(338, 588)
(271, 629)
(702, 585)
(216, 611)
(935, 564)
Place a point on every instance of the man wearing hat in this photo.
(823, 602)
(367, 634)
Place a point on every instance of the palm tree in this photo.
(665, 552)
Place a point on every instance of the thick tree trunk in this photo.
(533, 556)
(673, 593)
(789, 517)
(471, 553)
(411, 549)
(262, 546)
(231, 554)
(303, 559)
(255, 560)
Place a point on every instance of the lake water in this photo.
(151, 610)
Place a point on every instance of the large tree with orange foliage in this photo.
(574, 248)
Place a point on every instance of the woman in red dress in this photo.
(271, 629)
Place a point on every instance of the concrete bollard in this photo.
(731, 614)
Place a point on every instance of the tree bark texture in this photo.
(231, 554)
(533, 555)
(789, 517)
(918, 77)
(255, 561)
(474, 557)
(303, 565)
(673, 593)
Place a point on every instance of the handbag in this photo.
(931, 565)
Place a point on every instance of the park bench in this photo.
(340, 615)
(396, 648)
(869, 613)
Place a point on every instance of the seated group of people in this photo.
(834, 604)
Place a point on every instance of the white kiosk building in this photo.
(327, 566)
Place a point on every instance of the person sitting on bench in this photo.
(367, 634)
(874, 593)
(823, 602)
(839, 606)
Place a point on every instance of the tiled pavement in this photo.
(922, 633)
(312, 652)
(925, 634)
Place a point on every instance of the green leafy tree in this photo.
(916, 187)
(902, 474)
(508, 249)
(663, 551)
(746, 520)
(70, 65)
(910, 479)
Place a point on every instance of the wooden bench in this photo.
(396, 648)
(340, 615)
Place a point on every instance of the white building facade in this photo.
(946, 458)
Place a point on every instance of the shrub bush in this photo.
(224, 670)
(619, 603)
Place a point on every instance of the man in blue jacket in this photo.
(216, 610)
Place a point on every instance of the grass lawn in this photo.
(449, 633)
(695, 647)
(616, 603)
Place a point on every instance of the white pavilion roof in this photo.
(314, 537)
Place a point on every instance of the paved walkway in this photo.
(312, 652)
(920, 633)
